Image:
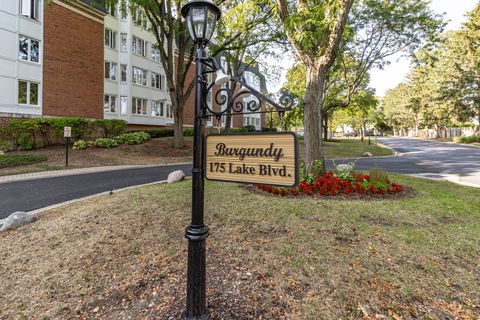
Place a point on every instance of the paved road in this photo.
(430, 159)
(33, 194)
(455, 162)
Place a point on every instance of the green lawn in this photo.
(351, 148)
(273, 258)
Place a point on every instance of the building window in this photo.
(123, 72)
(27, 93)
(157, 108)
(155, 54)
(29, 8)
(169, 111)
(156, 81)
(123, 42)
(139, 106)
(110, 104)
(123, 104)
(257, 121)
(110, 38)
(138, 46)
(28, 49)
(110, 70)
(139, 76)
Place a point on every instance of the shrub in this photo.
(471, 139)
(105, 143)
(51, 129)
(160, 133)
(133, 138)
(25, 141)
(188, 132)
(310, 177)
(82, 145)
(264, 129)
(18, 160)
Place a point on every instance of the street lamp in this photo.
(201, 17)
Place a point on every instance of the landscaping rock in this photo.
(18, 219)
(176, 176)
(367, 154)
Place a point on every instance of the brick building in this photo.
(78, 59)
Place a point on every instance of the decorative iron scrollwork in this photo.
(235, 104)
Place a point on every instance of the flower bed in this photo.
(331, 184)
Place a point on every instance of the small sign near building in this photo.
(258, 158)
(67, 132)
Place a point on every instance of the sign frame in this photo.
(67, 132)
(296, 156)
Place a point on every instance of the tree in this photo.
(163, 18)
(396, 109)
(315, 30)
(377, 29)
(243, 36)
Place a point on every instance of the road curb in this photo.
(65, 203)
(73, 172)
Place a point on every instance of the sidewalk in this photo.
(71, 172)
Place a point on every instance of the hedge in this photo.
(29, 133)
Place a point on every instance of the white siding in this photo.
(130, 89)
(11, 68)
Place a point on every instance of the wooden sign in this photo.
(257, 158)
(67, 132)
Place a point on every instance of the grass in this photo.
(7, 161)
(124, 255)
(351, 148)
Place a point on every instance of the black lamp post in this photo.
(201, 17)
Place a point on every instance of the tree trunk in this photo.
(313, 117)
(325, 126)
(178, 129)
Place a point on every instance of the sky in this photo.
(381, 80)
(395, 73)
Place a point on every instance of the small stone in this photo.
(176, 176)
(367, 154)
(18, 219)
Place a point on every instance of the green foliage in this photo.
(82, 145)
(312, 174)
(105, 143)
(189, 132)
(18, 160)
(160, 133)
(345, 171)
(132, 138)
(51, 130)
(112, 128)
(267, 129)
(471, 139)
(377, 174)
(245, 129)
(25, 141)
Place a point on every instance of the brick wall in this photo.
(189, 108)
(73, 63)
